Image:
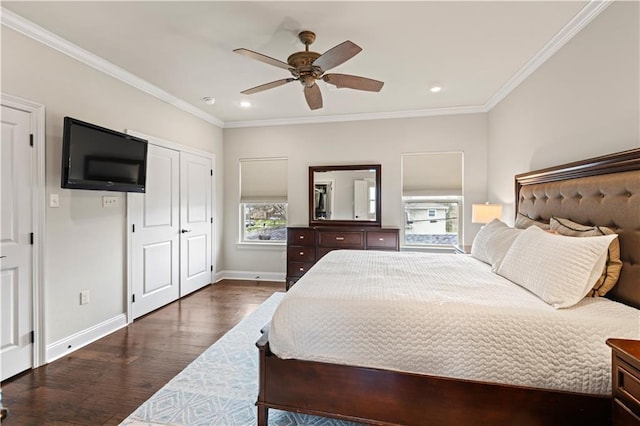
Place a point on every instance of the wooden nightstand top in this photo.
(462, 249)
(627, 349)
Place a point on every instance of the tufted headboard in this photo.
(602, 191)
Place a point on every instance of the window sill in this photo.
(262, 245)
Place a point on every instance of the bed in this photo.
(602, 191)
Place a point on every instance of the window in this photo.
(263, 200)
(432, 198)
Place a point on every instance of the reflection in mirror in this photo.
(344, 194)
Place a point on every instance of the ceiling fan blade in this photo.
(353, 82)
(313, 96)
(267, 86)
(337, 55)
(262, 58)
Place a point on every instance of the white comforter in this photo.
(446, 315)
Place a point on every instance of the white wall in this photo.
(583, 102)
(362, 142)
(85, 244)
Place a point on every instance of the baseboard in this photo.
(250, 276)
(82, 338)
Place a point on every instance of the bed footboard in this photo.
(384, 397)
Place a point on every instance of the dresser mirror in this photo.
(345, 195)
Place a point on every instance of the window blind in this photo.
(263, 180)
(432, 174)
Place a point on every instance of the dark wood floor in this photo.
(102, 383)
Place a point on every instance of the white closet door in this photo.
(196, 219)
(16, 275)
(155, 238)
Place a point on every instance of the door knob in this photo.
(184, 231)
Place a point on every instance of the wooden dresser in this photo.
(306, 245)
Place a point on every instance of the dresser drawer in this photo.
(344, 239)
(298, 269)
(627, 384)
(382, 240)
(300, 237)
(622, 416)
(301, 254)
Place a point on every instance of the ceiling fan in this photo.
(307, 67)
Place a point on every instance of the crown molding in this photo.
(431, 112)
(581, 20)
(28, 28)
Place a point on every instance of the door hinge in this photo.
(211, 220)
(133, 298)
(31, 238)
(31, 139)
(211, 268)
(133, 228)
(211, 172)
(32, 337)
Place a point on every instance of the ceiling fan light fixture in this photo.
(209, 100)
(307, 67)
(245, 104)
(435, 89)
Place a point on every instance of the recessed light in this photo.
(209, 100)
(245, 104)
(435, 89)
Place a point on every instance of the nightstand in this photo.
(462, 249)
(625, 363)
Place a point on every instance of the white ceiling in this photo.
(476, 50)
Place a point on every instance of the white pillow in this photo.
(479, 245)
(499, 244)
(558, 269)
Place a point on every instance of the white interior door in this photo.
(155, 239)
(360, 200)
(16, 275)
(196, 219)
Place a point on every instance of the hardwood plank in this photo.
(103, 382)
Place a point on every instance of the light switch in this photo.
(54, 200)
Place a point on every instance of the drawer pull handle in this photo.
(301, 253)
(301, 269)
(301, 237)
(339, 238)
(380, 239)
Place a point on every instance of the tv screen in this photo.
(101, 159)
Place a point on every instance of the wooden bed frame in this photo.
(383, 397)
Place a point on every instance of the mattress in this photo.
(446, 315)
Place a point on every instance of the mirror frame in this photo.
(377, 168)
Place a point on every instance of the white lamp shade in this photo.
(485, 213)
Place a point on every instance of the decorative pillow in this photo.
(611, 271)
(479, 245)
(558, 269)
(523, 222)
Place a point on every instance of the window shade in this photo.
(263, 180)
(432, 174)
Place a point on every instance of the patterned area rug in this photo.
(220, 387)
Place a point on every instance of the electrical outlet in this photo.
(84, 297)
(109, 201)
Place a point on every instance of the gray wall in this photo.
(583, 102)
(85, 244)
(358, 142)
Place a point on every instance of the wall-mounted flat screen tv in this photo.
(101, 159)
